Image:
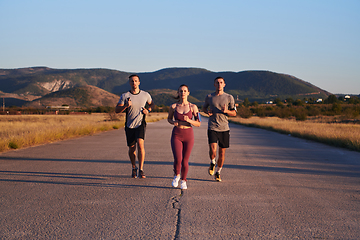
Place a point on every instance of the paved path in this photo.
(274, 186)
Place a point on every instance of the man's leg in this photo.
(212, 150)
(141, 156)
(220, 163)
(212, 155)
(221, 158)
(141, 152)
(132, 156)
(223, 144)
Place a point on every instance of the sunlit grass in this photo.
(27, 130)
(336, 134)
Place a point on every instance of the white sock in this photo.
(219, 170)
(213, 161)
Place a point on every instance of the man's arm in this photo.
(205, 107)
(231, 113)
(150, 108)
(120, 108)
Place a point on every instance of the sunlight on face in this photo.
(183, 92)
(219, 84)
(134, 82)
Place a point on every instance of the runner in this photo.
(134, 102)
(182, 139)
(221, 106)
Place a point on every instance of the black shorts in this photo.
(222, 137)
(132, 134)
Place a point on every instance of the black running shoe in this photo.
(211, 169)
(134, 173)
(217, 177)
(141, 174)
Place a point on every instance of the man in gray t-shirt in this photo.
(134, 102)
(221, 106)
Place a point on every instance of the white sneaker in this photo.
(183, 185)
(175, 182)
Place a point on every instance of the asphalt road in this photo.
(274, 187)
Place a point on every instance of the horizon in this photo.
(314, 41)
(355, 94)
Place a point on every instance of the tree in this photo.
(298, 102)
(246, 102)
(289, 100)
(331, 99)
(278, 102)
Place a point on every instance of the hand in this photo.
(210, 112)
(145, 111)
(128, 103)
(224, 109)
(176, 123)
(186, 118)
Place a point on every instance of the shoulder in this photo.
(144, 92)
(173, 106)
(228, 95)
(210, 95)
(125, 93)
(194, 108)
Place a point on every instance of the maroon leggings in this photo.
(182, 142)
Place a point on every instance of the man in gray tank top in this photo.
(134, 102)
(218, 105)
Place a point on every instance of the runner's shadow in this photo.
(107, 185)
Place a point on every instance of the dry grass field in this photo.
(320, 129)
(18, 131)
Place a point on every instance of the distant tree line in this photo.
(301, 109)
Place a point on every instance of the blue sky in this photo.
(317, 40)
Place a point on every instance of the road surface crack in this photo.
(175, 201)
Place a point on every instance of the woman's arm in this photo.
(171, 116)
(195, 111)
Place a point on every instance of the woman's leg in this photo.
(176, 146)
(187, 147)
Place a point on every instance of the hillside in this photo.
(85, 96)
(41, 84)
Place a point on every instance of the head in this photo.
(219, 84)
(134, 81)
(183, 91)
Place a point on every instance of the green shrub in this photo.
(13, 145)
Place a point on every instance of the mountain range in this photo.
(42, 86)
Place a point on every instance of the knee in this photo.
(132, 149)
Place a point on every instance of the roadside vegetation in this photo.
(18, 131)
(335, 122)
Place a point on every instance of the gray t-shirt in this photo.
(219, 121)
(134, 115)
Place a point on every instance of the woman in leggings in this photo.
(182, 115)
